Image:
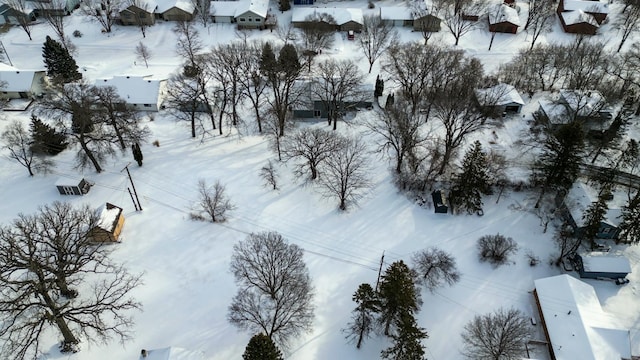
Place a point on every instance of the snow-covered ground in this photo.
(187, 287)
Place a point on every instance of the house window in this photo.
(147, 105)
(68, 190)
(316, 113)
(241, 19)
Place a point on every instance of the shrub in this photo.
(77, 33)
(496, 249)
(156, 143)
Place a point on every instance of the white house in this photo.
(142, 93)
(223, 11)
(21, 84)
(502, 98)
(575, 324)
(246, 13)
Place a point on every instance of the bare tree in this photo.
(286, 32)
(454, 18)
(376, 37)
(189, 44)
(224, 65)
(344, 174)
(42, 254)
(106, 13)
(53, 13)
(112, 111)
(339, 86)
(269, 175)
(435, 267)
(213, 201)
(540, 18)
(399, 131)
(202, 8)
(185, 99)
(274, 295)
(143, 53)
(251, 81)
(627, 23)
(317, 33)
(310, 147)
(566, 242)
(496, 249)
(499, 335)
(534, 69)
(22, 9)
(18, 141)
(144, 9)
(429, 16)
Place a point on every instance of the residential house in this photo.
(142, 93)
(500, 99)
(311, 106)
(176, 10)
(601, 265)
(303, 2)
(574, 323)
(138, 12)
(223, 11)
(109, 226)
(582, 16)
(419, 17)
(503, 19)
(21, 84)
(345, 19)
(587, 106)
(57, 8)
(424, 20)
(12, 16)
(579, 198)
(400, 16)
(68, 186)
(252, 14)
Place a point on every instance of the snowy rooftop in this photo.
(109, 215)
(503, 13)
(224, 8)
(171, 353)
(148, 5)
(587, 6)
(258, 7)
(585, 101)
(16, 80)
(185, 5)
(340, 15)
(577, 17)
(501, 94)
(135, 89)
(581, 196)
(603, 262)
(395, 13)
(578, 327)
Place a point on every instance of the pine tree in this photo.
(268, 63)
(630, 224)
(137, 153)
(379, 89)
(593, 216)
(407, 343)
(284, 5)
(61, 67)
(261, 347)
(391, 99)
(288, 61)
(46, 140)
(398, 295)
(472, 182)
(363, 316)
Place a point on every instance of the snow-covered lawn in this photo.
(187, 287)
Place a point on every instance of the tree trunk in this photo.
(54, 316)
(361, 333)
(118, 133)
(193, 124)
(90, 155)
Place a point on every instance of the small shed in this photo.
(596, 265)
(504, 19)
(109, 226)
(439, 202)
(501, 98)
(578, 22)
(68, 186)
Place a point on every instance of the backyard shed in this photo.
(503, 19)
(500, 98)
(68, 186)
(109, 226)
(596, 265)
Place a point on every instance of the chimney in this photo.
(143, 353)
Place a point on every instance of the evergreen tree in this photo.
(407, 343)
(284, 5)
(472, 182)
(630, 224)
(559, 164)
(268, 63)
(391, 99)
(398, 295)
(137, 153)
(61, 67)
(261, 347)
(379, 89)
(593, 216)
(363, 316)
(288, 61)
(46, 140)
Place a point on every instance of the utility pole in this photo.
(132, 200)
(139, 208)
(380, 271)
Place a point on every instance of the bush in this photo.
(77, 33)
(496, 249)
(156, 143)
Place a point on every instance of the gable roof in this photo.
(596, 7)
(184, 5)
(503, 13)
(578, 328)
(340, 15)
(501, 94)
(16, 80)
(586, 102)
(224, 8)
(258, 7)
(580, 197)
(578, 17)
(108, 217)
(146, 5)
(135, 89)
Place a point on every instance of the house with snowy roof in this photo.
(143, 93)
(574, 323)
(138, 12)
(248, 14)
(500, 99)
(503, 19)
(577, 201)
(340, 19)
(587, 106)
(16, 15)
(21, 84)
(175, 10)
(598, 265)
(582, 16)
(419, 16)
(109, 225)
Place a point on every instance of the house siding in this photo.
(428, 23)
(133, 15)
(250, 20)
(175, 14)
(504, 27)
